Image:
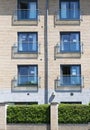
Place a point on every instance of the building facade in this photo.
(45, 51)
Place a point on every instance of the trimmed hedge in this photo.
(67, 113)
(28, 114)
(73, 114)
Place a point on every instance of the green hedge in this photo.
(68, 113)
(28, 114)
(73, 113)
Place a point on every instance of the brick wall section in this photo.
(45, 127)
(54, 116)
(28, 127)
(2, 116)
(73, 127)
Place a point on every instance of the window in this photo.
(70, 42)
(69, 9)
(70, 75)
(27, 9)
(71, 102)
(27, 75)
(27, 42)
(25, 103)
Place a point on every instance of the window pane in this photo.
(75, 70)
(74, 6)
(75, 42)
(27, 10)
(75, 75)
(21, 41)
(70, 42)
(27, 42)
(32, 10)
(33, 74)
(65, 39)
(64, 10)
(23, 70)
(22, 79)
(32, 70)
(27, 75)
(69, 9)
(70, 75)
(32, 40)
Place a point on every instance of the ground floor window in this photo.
(70, 74)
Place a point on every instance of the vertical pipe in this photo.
(46, 53)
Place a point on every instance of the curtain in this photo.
(65, 42)
(32, 39)
(32, 10)
(33, 74)
(74, 10)
(64, 9)
(22, 75)
(75, 75)
(77, 42)
(34, 42)
(20, 46)
(74, 41)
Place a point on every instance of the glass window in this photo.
(70, 42)
(70, 75)
(27, 9)
(69, 9)
(28, 75)
(27, 42)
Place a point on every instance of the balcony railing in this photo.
(26, 16)
(26, 50)
(26, 83)
(68, 49)
(69, 83)
(27, 80)
(68, 16)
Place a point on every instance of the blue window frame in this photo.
(27, 10)
(27, 42)
(69, 9)
(70, 75)
(27, 75)
(70, 42)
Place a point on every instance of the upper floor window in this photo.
(69, 10)
(27, 42)
(70, 42)
(27, 75)
(27, 9)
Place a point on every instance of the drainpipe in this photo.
(46, 52)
